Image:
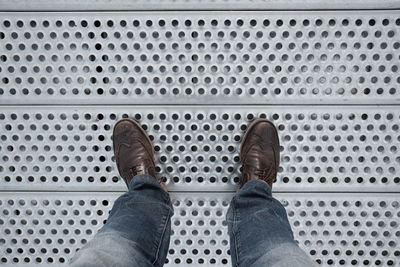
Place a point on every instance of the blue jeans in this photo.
(137, 232)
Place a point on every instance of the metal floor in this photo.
(328, 78)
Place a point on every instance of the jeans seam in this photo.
(162, 236)
(236, 217)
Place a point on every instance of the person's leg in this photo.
(138, 229)
(260, 233)
(137, 232)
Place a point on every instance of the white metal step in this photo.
(334, 229)
(323, 148)
(325, 57)
(118, 5)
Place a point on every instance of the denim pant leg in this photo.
(260, 233)
(137, 232)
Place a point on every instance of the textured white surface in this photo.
(335, 229)
(94, 5)
(324, 148)
(328, 79)
(347, 57)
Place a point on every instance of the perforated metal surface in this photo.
(200, 57)
(329, 149)
(336, 230)
(194, 80)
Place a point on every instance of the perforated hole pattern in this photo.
(197, 148)
(335, 230)
(196, 58)
(201, 58)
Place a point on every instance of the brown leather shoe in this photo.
(133, 150)
(259, 152)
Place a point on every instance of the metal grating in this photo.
(328, 79)
(335, 229)
(323, 148)
(200, 57)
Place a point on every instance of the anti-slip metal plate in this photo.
(118, 5)
(335, 57)
(330, 148)
(334, 229)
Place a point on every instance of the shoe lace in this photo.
(136, 169)
(267, 173)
